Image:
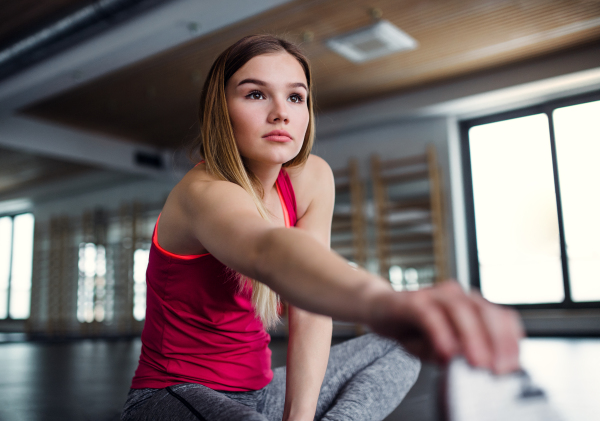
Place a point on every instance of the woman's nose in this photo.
(279, 112)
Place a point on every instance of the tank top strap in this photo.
(287, 195)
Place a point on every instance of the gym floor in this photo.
(89, 379)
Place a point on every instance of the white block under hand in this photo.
(474, 394)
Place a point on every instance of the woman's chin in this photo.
(276, 159)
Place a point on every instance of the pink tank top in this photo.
(199, 328)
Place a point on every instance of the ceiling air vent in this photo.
(372, 42)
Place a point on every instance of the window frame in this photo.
(8, 317)
(464, 126)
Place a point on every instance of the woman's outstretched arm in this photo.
(437, 322)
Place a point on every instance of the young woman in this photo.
(251, 223)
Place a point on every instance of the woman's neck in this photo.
(266, 173)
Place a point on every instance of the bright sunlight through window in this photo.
(140, 264)
(91, 291)
(515, 211)
(16, 257)
(577, 131)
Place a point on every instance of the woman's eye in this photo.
(296, 98)
(255, 95)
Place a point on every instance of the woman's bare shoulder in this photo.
(199, 199)
(199, 184)
(312, 180)
(313, 170)
(198, 174)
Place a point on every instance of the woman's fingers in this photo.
(488, 334)
(472, 333)
(455, 322)
(504, 330)
(436, 326)
(416, 321)
(444, 321)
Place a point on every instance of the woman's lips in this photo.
(278, 136)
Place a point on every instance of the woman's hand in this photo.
(440, 322)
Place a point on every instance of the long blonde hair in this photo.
(216, 142)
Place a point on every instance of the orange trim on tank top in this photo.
(168, 253)
(286, 218)
(286, 215)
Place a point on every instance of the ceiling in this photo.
(154, 101)
(20, 18)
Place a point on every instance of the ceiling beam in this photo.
(45, 139)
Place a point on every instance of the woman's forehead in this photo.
(274, 68)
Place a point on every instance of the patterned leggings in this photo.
(366, 379)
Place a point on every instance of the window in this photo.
(577, 130)
(16, 256)
(411, 279)
(140, 265)
(108, 261)
(531, 179)
(91, 289)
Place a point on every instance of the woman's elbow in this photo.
(262, 255)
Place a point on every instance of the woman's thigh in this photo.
(368, 380)
(346, 360)
(191, 402)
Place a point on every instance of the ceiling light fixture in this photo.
(374, 41)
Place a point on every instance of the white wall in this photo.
(390, 140)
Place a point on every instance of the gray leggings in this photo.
(366, 378)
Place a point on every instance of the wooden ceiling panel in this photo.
(155, 101)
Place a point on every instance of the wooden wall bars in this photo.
(410, 236)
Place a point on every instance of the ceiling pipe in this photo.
(69, 30)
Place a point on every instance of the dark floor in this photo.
(89, 379)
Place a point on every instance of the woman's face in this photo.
(266, 99)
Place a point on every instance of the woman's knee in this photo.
(405, 364)
(398, 362)
(386, 344)
(378, 345)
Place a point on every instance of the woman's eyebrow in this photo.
(298, 85)
(261, 83)
(254, 81)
